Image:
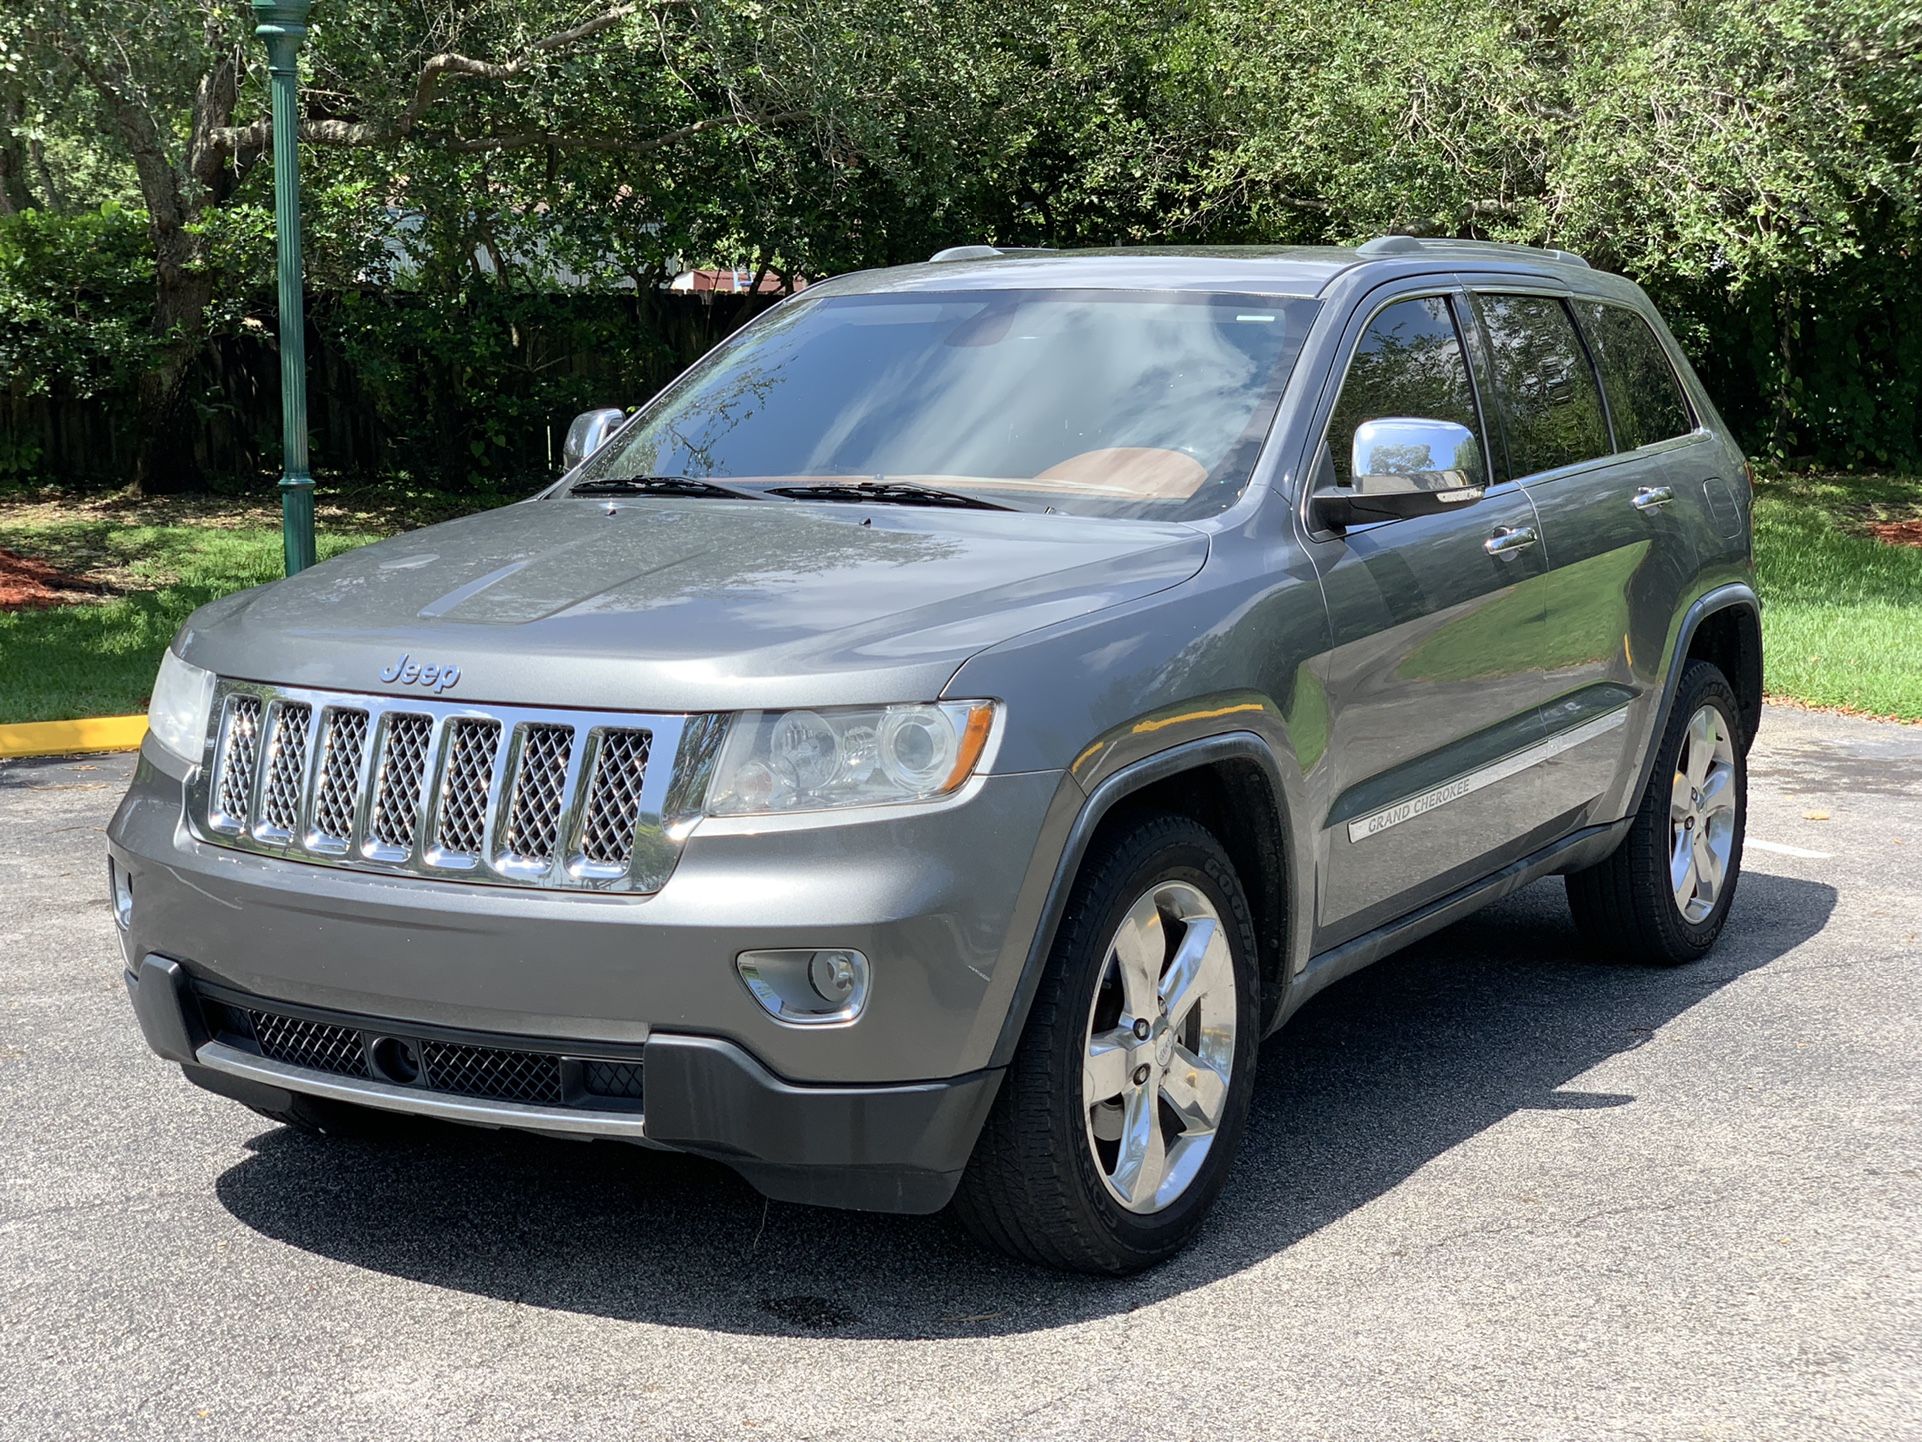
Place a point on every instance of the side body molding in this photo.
(1116, 788)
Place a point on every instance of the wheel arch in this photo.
(1233, 785)
(1730, 636)
(1723, 626)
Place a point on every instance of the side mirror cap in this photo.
(588, 434)
(1404, 466)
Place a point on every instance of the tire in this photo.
(1630, 903)
(1047, 1178)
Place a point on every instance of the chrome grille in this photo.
(514, 796)
(242, 745)
(614, 796)
(465, 786)
(401, 769)
(540, 778)
(337, 783)
(286, 768)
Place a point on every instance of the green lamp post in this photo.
(283, 25)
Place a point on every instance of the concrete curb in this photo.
(67, 738)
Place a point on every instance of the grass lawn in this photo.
(1842, 610)
(155, 560)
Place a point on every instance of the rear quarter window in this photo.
(1644, 396)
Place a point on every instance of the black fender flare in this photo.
(1187, 756)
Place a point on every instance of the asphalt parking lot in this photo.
(1493, 1188)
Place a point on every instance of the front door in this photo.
(1433, 682)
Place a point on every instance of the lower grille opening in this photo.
(486, 1071)
(316, 1045)
(484, 1068)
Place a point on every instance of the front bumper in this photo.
(943, 903)
(876, 1148)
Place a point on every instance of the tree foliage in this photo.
(1754, 162)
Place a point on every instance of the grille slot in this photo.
(614, 798)
(316, 1045)
(403, 766)
(465, 786)
(337, 784)
(286, 769)
(237, 765)
(493, 1072)
(532, 834)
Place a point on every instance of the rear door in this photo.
(1608, 468)
(1433, 682)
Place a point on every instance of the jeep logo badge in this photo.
(410, 672)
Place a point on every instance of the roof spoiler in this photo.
(987, 252)
(1383, 245)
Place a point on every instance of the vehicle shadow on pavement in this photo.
(1378, 1076)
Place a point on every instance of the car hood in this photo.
(675, 605)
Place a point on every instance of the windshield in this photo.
(1095, 402)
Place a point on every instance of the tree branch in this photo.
(376, 132)
(372, 135)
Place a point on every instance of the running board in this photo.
(1331, 966)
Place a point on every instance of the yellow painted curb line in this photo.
(65, 738)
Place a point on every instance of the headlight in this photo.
(778, 761)
(177, 715)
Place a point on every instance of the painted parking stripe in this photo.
(1780, 850)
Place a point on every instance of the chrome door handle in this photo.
(1507, 542)
(1647, 498)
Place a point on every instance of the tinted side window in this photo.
(1549, 401)
(1409, 363)
(1643, 394)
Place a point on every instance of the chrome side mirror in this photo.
(1403, 466)
(588, 434)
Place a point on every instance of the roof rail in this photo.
(987, 252)
(1416, 244)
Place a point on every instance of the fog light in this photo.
(122, 886)
(806, 987)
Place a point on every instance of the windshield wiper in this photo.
(657, 486)
(886, 493)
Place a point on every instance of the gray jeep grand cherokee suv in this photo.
(920, 754)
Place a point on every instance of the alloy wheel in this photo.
(1160, 1047)
(1702, 814)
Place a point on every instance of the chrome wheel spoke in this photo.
(1681, 870)
(1105, 1068)
(1196, 1090)
(1708, 870)
(1679, 804)
(1140, 948)
(1700, 747)
(1718, 792)
(1200, 965)
(1144, 1152)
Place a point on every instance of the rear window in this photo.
(1643, 395)
(1551, 407)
